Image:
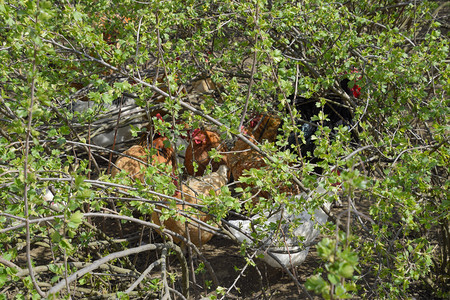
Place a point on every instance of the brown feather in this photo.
(266, 128)
(134, 168)
(202, 142)
(131, 166)
(243, 158)
(191, 190)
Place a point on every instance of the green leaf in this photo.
(75, 220)
(77, 16)
(79, 180)
(55, 279)
(334, 279)
(56, 237)
(53, 268)
(65, 244)
(346, 270)
(3, 276)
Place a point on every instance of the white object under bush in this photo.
(295, 248)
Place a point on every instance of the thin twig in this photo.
(104, 267)
(143, 275)
(166, 293)
(11, 265)
(239, 276)
(255, 60)
(25, 166)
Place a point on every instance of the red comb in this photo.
(356, 90)
(158, 116)
(254, 121)
(195, 132)
(198, 136)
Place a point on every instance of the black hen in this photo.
(337, 114)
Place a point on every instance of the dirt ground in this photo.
(257, 282)
(273, 283)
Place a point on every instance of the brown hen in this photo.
(203, 141)
(135, 168)
(193, 188)
(264, 127)
(243, 158)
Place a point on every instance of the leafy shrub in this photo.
(258, 53)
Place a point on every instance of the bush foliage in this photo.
(259, 54)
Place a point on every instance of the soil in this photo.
(256, 282)
(261, 281)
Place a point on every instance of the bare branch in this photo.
(59, 286)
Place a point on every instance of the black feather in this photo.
(337, 114)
